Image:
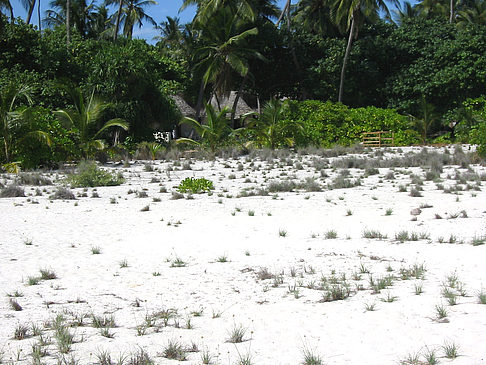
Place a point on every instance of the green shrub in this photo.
(195, 186)
(325, 124)
(89, 175)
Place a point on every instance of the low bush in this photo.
(195, 186)
(12, 191)
(90, 175)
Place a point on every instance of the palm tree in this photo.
(206, 9)
(29, 7)
(225, 52)
(213, 133)
(12, 117)
(353, 13)
(475, 13)
(84, 117)
(129, 13)
(80, 14)
(406, 12)
(268, 129)
(5, 4)
(315, 16)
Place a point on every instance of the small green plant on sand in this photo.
(89, 175)
(195, 186)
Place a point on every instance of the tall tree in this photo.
(130, 13)
(79, 16)
(475, 13)
(5, 4)
(225, 51)
(353, 13)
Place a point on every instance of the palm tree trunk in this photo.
(200, 100)
(235, 103)
(39, 16)
(7, 154)
(451, 18)
(345, 60)
(31, 9)
(11, 13)
(117, 24)
(68, 22)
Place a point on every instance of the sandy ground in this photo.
(289, 234)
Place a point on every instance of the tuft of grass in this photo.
(206, 357)
(441, 311)
(251, 213)
(33, 280)
(370, 307)
(222, 258)
(105, 332)
(15, 305)
(389, 211)
(236, 334)
(63, 193)
(174, 350)
(47, 274)
(373, 234)
(310, 357)
(64, 338)
(103, 321)
(96, 250)
(21, 332)
(389, 298)
(178, 262)
(482, 297)
(451, 350)
(123, 264)
(430, 356)
(282, 233)
(330, 234)
(139, 357)
(418, 287)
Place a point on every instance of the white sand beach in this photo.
(195, 268)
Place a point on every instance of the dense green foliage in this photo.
(422, 77)
(329, 123)
(195, 186)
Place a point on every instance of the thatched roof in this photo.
(241, 108)
(185, 109)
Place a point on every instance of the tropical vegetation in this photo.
(319, 72)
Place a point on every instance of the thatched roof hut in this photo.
(187, 111)
(241, 108)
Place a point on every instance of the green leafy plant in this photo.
(86, 114)
(89, 175)
(195, 186)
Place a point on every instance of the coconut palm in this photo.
(5, 4)
(79, 16)
(406, 12)
(84, 118)
(225, 51)
(131, 13)
(13, 117)
(475, 13)
(353, 13)
(213, 132)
